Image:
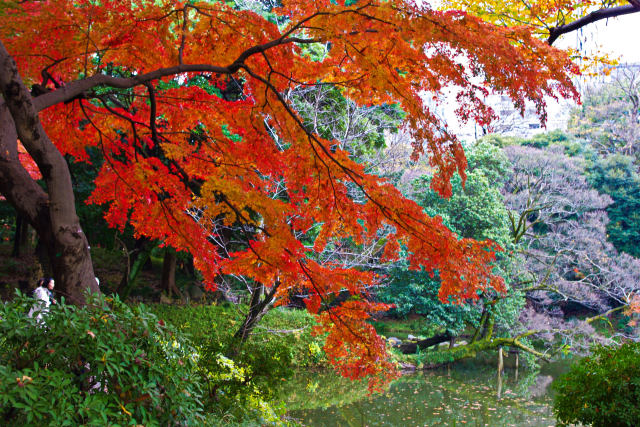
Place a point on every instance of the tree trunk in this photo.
(168, 282)
(21, 237)
(135, 261)
(258, 307)
(52, 214)
(43, 258)
(481, 323)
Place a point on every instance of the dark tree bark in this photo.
(136, 259)
(257, 309)
(611, 12)
(43, 258)
(52, 214)
(259, 305)
(412, 347)
(168, 282)
(20, 237)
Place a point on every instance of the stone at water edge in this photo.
(406, 367)
(195, 291)
(394, 342)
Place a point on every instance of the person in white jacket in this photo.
(44, 298)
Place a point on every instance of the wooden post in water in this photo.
(500, 369)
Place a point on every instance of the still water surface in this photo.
(465, 395)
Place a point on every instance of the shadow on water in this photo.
(468, 394)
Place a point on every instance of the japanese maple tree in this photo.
(187, 103)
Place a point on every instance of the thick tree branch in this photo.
(465, 351)
(411, 347)
(78, 87)
(595, 16)
(73, 89)
(605, 314)
(15, 183)
(30, 131)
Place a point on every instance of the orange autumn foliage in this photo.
(179, 158)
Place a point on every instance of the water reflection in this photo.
(466, 394)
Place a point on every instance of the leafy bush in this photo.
(617, 176)
(110, 363)
(238, 389)
(415, 292)
(283, 336)
(403, 327)
(601, 390)
(105, 363)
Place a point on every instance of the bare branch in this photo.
(598, 15)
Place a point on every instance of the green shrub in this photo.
(601, 390)
(238, 390)
(102, 364)
(283, 335)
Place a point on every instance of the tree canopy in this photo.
(188, 104)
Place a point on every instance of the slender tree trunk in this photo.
(188, 266)
(51, 214)
(168, 282)
(258, 307)
(137, 259)
(488, 330)
(256, 311)
(483, 320)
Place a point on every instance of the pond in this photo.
(468, 394)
